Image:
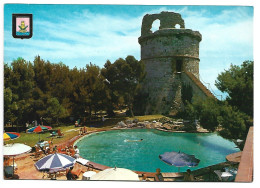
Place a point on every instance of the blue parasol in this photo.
(179, 159)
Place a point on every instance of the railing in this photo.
(209, 87)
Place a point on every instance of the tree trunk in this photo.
(90, 112)
(130, 107)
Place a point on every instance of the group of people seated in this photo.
(82, 130)
(69, 150)
(49, 149)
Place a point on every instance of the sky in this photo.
(79, 34)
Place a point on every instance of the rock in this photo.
(140, 124)
(149, 126)
(135, 121)
(157, 124)
(167, 126)
(131, 125)
(121, 124)
(129, 121)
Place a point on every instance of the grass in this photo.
(32, 138)
(147, 117)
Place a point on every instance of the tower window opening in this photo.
(177, 26)
(155, 25)
(179, 66)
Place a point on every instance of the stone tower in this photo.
(171, 58)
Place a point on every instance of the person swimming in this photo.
(133, 140)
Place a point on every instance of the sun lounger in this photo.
(76, 172)
(82, 161)
(218, 172)
(60, 135)
(54, 133)
(38, 152)
(8, 171)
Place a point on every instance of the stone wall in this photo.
(161, 85)
(177, 44)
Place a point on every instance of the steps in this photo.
(198, 83)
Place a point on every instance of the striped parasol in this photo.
(10, 136)
(55, 162)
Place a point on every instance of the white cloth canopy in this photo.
(226, 174)
(115, 174)
(88, 174)
(16, 149)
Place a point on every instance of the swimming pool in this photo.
(110, 148)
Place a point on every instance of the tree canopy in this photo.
(237, 82)
(123, 78)
(234, 115)
(37, 89)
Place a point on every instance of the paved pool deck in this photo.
(245, 168)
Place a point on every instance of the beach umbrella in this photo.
(12, 150)
(10, 136)
(179, 159)
(115, 174)
(38, 129)
(48, 127)
(55, 162)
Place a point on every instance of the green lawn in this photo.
(32, 138)
(70, 131)
(147, 117)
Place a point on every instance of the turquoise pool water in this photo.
(109, 148)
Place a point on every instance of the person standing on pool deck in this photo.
(76, 149)
(158, 175)
(188, 176)
(76, 124)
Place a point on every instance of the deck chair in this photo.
(60, 135)
(218, 172)
(54, 133)
(8, 171)
(76, 173)
(38, 152)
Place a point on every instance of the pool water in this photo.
(110, 148)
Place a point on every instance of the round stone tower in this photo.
(167, 54)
